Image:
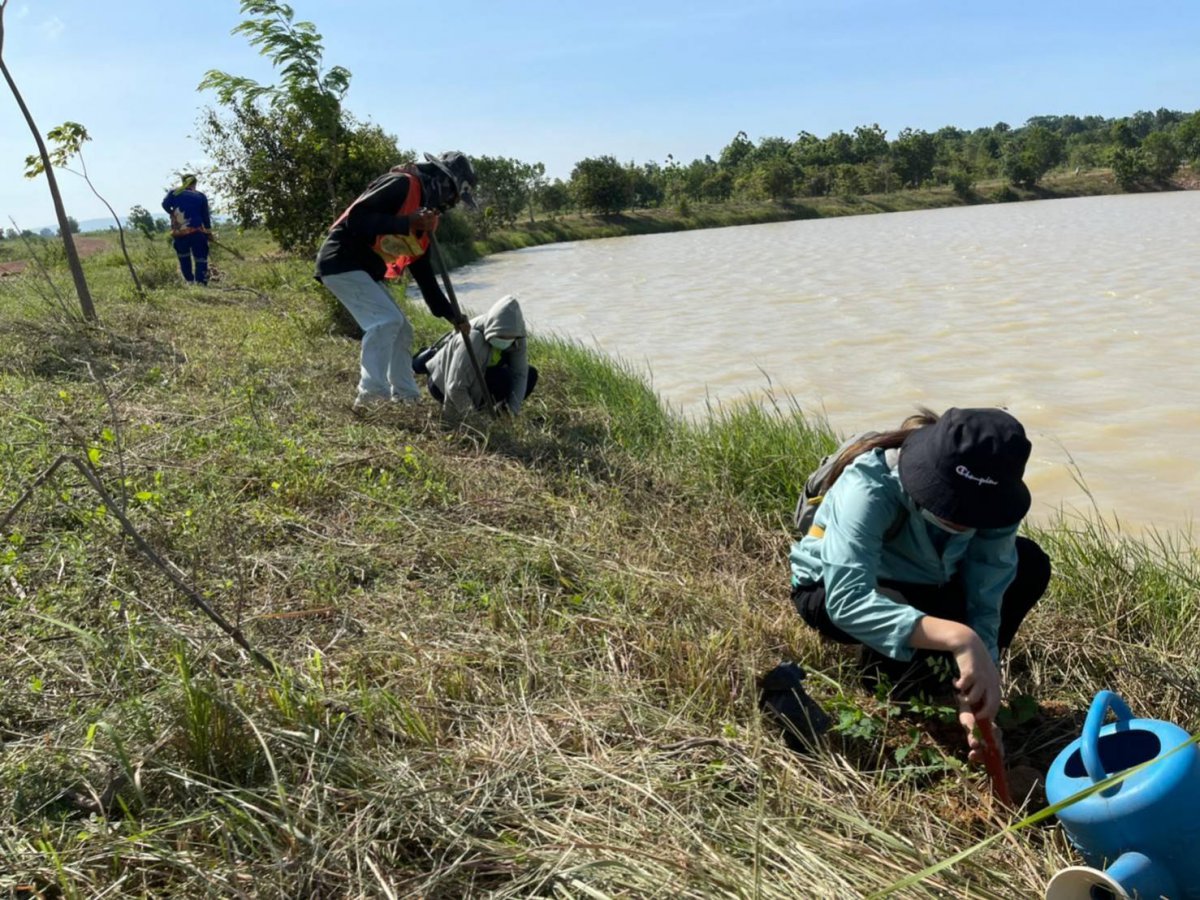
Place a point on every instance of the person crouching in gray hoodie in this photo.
(499, 340)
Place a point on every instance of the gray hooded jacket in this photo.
(450, 369)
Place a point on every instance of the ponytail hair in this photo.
(880, 440)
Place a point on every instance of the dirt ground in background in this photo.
(87, 246)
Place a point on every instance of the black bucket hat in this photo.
(967, 468)
(458, 168)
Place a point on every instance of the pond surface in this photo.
(1080, 316)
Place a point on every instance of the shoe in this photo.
(406, 401)
(783, 699)
(369, 405)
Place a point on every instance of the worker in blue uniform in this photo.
(191, 225)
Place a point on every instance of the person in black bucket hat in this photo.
(913, 554)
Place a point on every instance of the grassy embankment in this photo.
(516, 662)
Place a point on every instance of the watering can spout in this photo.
(1134, 876)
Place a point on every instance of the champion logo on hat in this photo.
(978, 479)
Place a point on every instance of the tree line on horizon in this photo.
(1143, 148)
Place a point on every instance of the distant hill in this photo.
(98, 224)
(107, 224)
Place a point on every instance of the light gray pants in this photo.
(385, 367)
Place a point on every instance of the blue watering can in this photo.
(1147, 828)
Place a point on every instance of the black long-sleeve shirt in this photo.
(347, 248)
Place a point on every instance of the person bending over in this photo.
(914, 552)
(383, 232)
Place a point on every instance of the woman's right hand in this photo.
(978, 682)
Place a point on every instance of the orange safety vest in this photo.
(398, 250)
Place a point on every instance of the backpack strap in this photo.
(806, 506)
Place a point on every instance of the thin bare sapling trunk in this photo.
(64, 228)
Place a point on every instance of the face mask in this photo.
(501, 343)
(941, 523)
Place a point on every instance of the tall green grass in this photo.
(515, 661)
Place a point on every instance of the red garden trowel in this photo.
(993, 761)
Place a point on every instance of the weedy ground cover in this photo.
(519, 661)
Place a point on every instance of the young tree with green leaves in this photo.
(68, 139)
(81, 286)
(289, 156)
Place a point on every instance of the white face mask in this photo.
(501, 343)
(942, 523)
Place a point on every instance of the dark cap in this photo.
(459, 169)
(967, 468)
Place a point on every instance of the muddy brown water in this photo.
(1080, 316)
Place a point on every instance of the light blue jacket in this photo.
(851, 556)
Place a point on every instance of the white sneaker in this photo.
(406, 401)
(367, 405)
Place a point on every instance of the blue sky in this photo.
(560, 81)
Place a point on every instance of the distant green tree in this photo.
(1121, 134)
(737, 153)
(809, 151)
(1030, 154)
(777, 178)
(696, 176)
(839, 149)
(848, 180)
(913, 155)
(534, 175)
(949, 145)
(289, 156)
(554, 198)
(717, 187)
(647, 192)
(1161, 155)
(601, 184)
(502, 187)
(72, 225)
(1141, 123)
(140, 219)
(1187, 137)
(771, 148)
(870, 143)
(1129, 167)
(963, 182)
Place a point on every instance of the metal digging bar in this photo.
(212, 240)
(440, 263)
